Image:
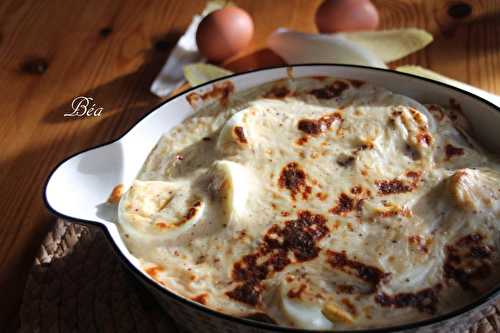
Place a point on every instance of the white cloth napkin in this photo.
(185, 52)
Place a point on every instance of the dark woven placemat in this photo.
(77, 284)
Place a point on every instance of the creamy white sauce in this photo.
(364, 202)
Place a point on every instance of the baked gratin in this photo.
(318, 203)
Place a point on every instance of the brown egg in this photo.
(346, 15)
(223, 33)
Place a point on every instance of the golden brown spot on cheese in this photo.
(395, 212)
(193, 99)
(415, 175)
(331, 91)
(418, 242)
(367, 273)
(322, 196)
(298, 237)
(153, 271)
(241, 235)
(350, 307)
(307, 191)
(319, 77)
(452, 151)
(336, 225)
(424, 300)
(318, 126)
(240, 134)
(301, 141)
(293, 178)
(162, 225)
(189, 215)
(392, 186)
(345, 204)
(366, 145)
(278, 92)
(345, 289)
(345, 160)
(359, 206)
(418, 117)
(248, 292)
(116, 194)
(356, 83)
(356, 189)
(391, 210)
(202, 298)
(296, 293)
(424, 137)
(335, 314)
(220, 91)
(192, 211)
(436, 111)
(468, 260)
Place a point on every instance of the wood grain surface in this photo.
(111, 50)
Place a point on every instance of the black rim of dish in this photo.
(482, 300)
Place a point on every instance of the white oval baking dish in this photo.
(78, 187)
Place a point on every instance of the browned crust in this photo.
(116, 194)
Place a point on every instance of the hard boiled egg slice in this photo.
(234, 133)
(427, 117)
(413, 129)
(306, 316)
(475, 190)
(229, 184)
(159, 211)
(302, 312)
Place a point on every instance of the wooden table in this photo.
(53, 51)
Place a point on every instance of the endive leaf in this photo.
(298, 47)
(423, 72)
(200, 73)
(214, 5)
(390, 45)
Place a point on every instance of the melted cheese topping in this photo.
(320, 204)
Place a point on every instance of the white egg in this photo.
(229, 185)
(407, 101)
(159, 211)
(304, 314)
(235, 133)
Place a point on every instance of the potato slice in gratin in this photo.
(318, 203)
